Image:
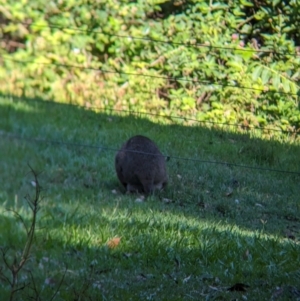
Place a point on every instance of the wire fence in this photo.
(170, 117)
(170, 79)
(212, 86)
(113, 149)
(148, 39)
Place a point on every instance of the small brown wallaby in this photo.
(140, 166)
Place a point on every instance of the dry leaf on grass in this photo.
(114, 242)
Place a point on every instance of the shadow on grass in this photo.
(245, 197)
(214, 221)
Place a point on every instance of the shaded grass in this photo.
(214, 225)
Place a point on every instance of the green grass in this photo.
(221, 225)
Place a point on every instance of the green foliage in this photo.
(231, 61)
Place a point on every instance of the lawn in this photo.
(217, 232)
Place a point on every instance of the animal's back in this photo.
(140, 165)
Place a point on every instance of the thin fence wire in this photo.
(130, 112)
(105, 148)
(56, 26)
(171, 79)
(101, 147)
(148, 39)
(242, 126)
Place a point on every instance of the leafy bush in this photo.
(232, 61)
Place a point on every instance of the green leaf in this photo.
(257, 72)
(276, 81)
(246, 3)
(265, 76)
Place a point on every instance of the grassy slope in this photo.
(224, 225)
